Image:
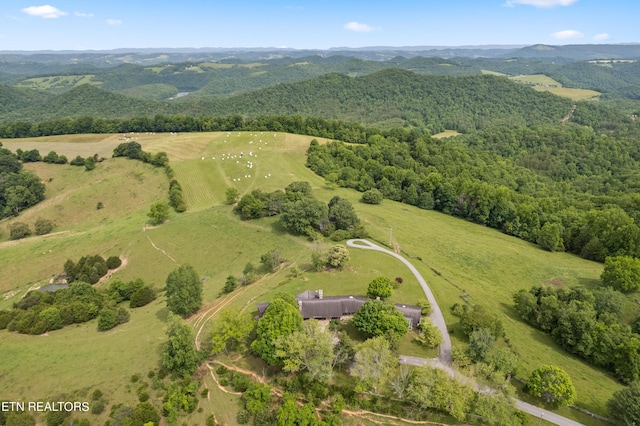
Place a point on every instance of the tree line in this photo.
(585, 323)
(564, 187)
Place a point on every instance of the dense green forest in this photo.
(564, 187)
(40, 91)
(388, 98)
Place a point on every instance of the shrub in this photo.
(372, 196)
(43, 226)
(142, 296)
(97, 407)
(96, 395)
(113, 262)
(78, 161)
(111, 317)
(18, 230)
(243, 417)
(100, 205)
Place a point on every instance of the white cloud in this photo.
(541, 3)
(83, 15)
(601, 37)
(567, 34)
(46, 11)
(358, 27)
(114, 22)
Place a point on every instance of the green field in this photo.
(57, 84)
(544, 83)
(453, 255)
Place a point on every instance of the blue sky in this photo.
(317, 24)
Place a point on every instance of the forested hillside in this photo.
(387, 98)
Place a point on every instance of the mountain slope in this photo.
(400, 97)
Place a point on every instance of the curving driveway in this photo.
(444, 358)
(436, 316)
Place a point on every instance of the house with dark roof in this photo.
(313, 304)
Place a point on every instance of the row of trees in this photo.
(90, 269)
(19, 230)
(585, 323)
(159, 211)
(42, 311)
(19, 189)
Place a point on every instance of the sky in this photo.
(311, 24)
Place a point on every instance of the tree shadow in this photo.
(163, 314)
(590, 283)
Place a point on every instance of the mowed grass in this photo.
(543, 83)
(456, 257)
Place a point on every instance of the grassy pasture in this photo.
(69, 145)
(543, 83)
(57, 84)
(446, 134)
(453, 255)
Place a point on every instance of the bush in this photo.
(243, 417)
(78, 161)
(18, 230)
(97, 407)
(113, 262)
(96, 395)
(372, 196)
(111, 317)
(43, 226)
(142, 296)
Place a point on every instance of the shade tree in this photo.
(552, 384)
(184, 291)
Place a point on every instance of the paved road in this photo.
(436, 316)
(545, 415)
(444, 360)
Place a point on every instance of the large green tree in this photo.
(552, 384)
(622, 273)
(303, 215)
(230, 331)
(377, 318)
(373, 364)
(281, 318)
(310, 350)
(624, 405)
(431, 388)
(158, 213)
(380, 287)
(184, 291)
(179, 354)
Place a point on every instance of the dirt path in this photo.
(160, 250)
(568, 116)
(203, 318)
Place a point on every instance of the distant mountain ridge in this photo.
(149, 56)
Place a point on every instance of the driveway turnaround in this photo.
(436, 316)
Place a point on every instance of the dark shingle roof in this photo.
(311, 306)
